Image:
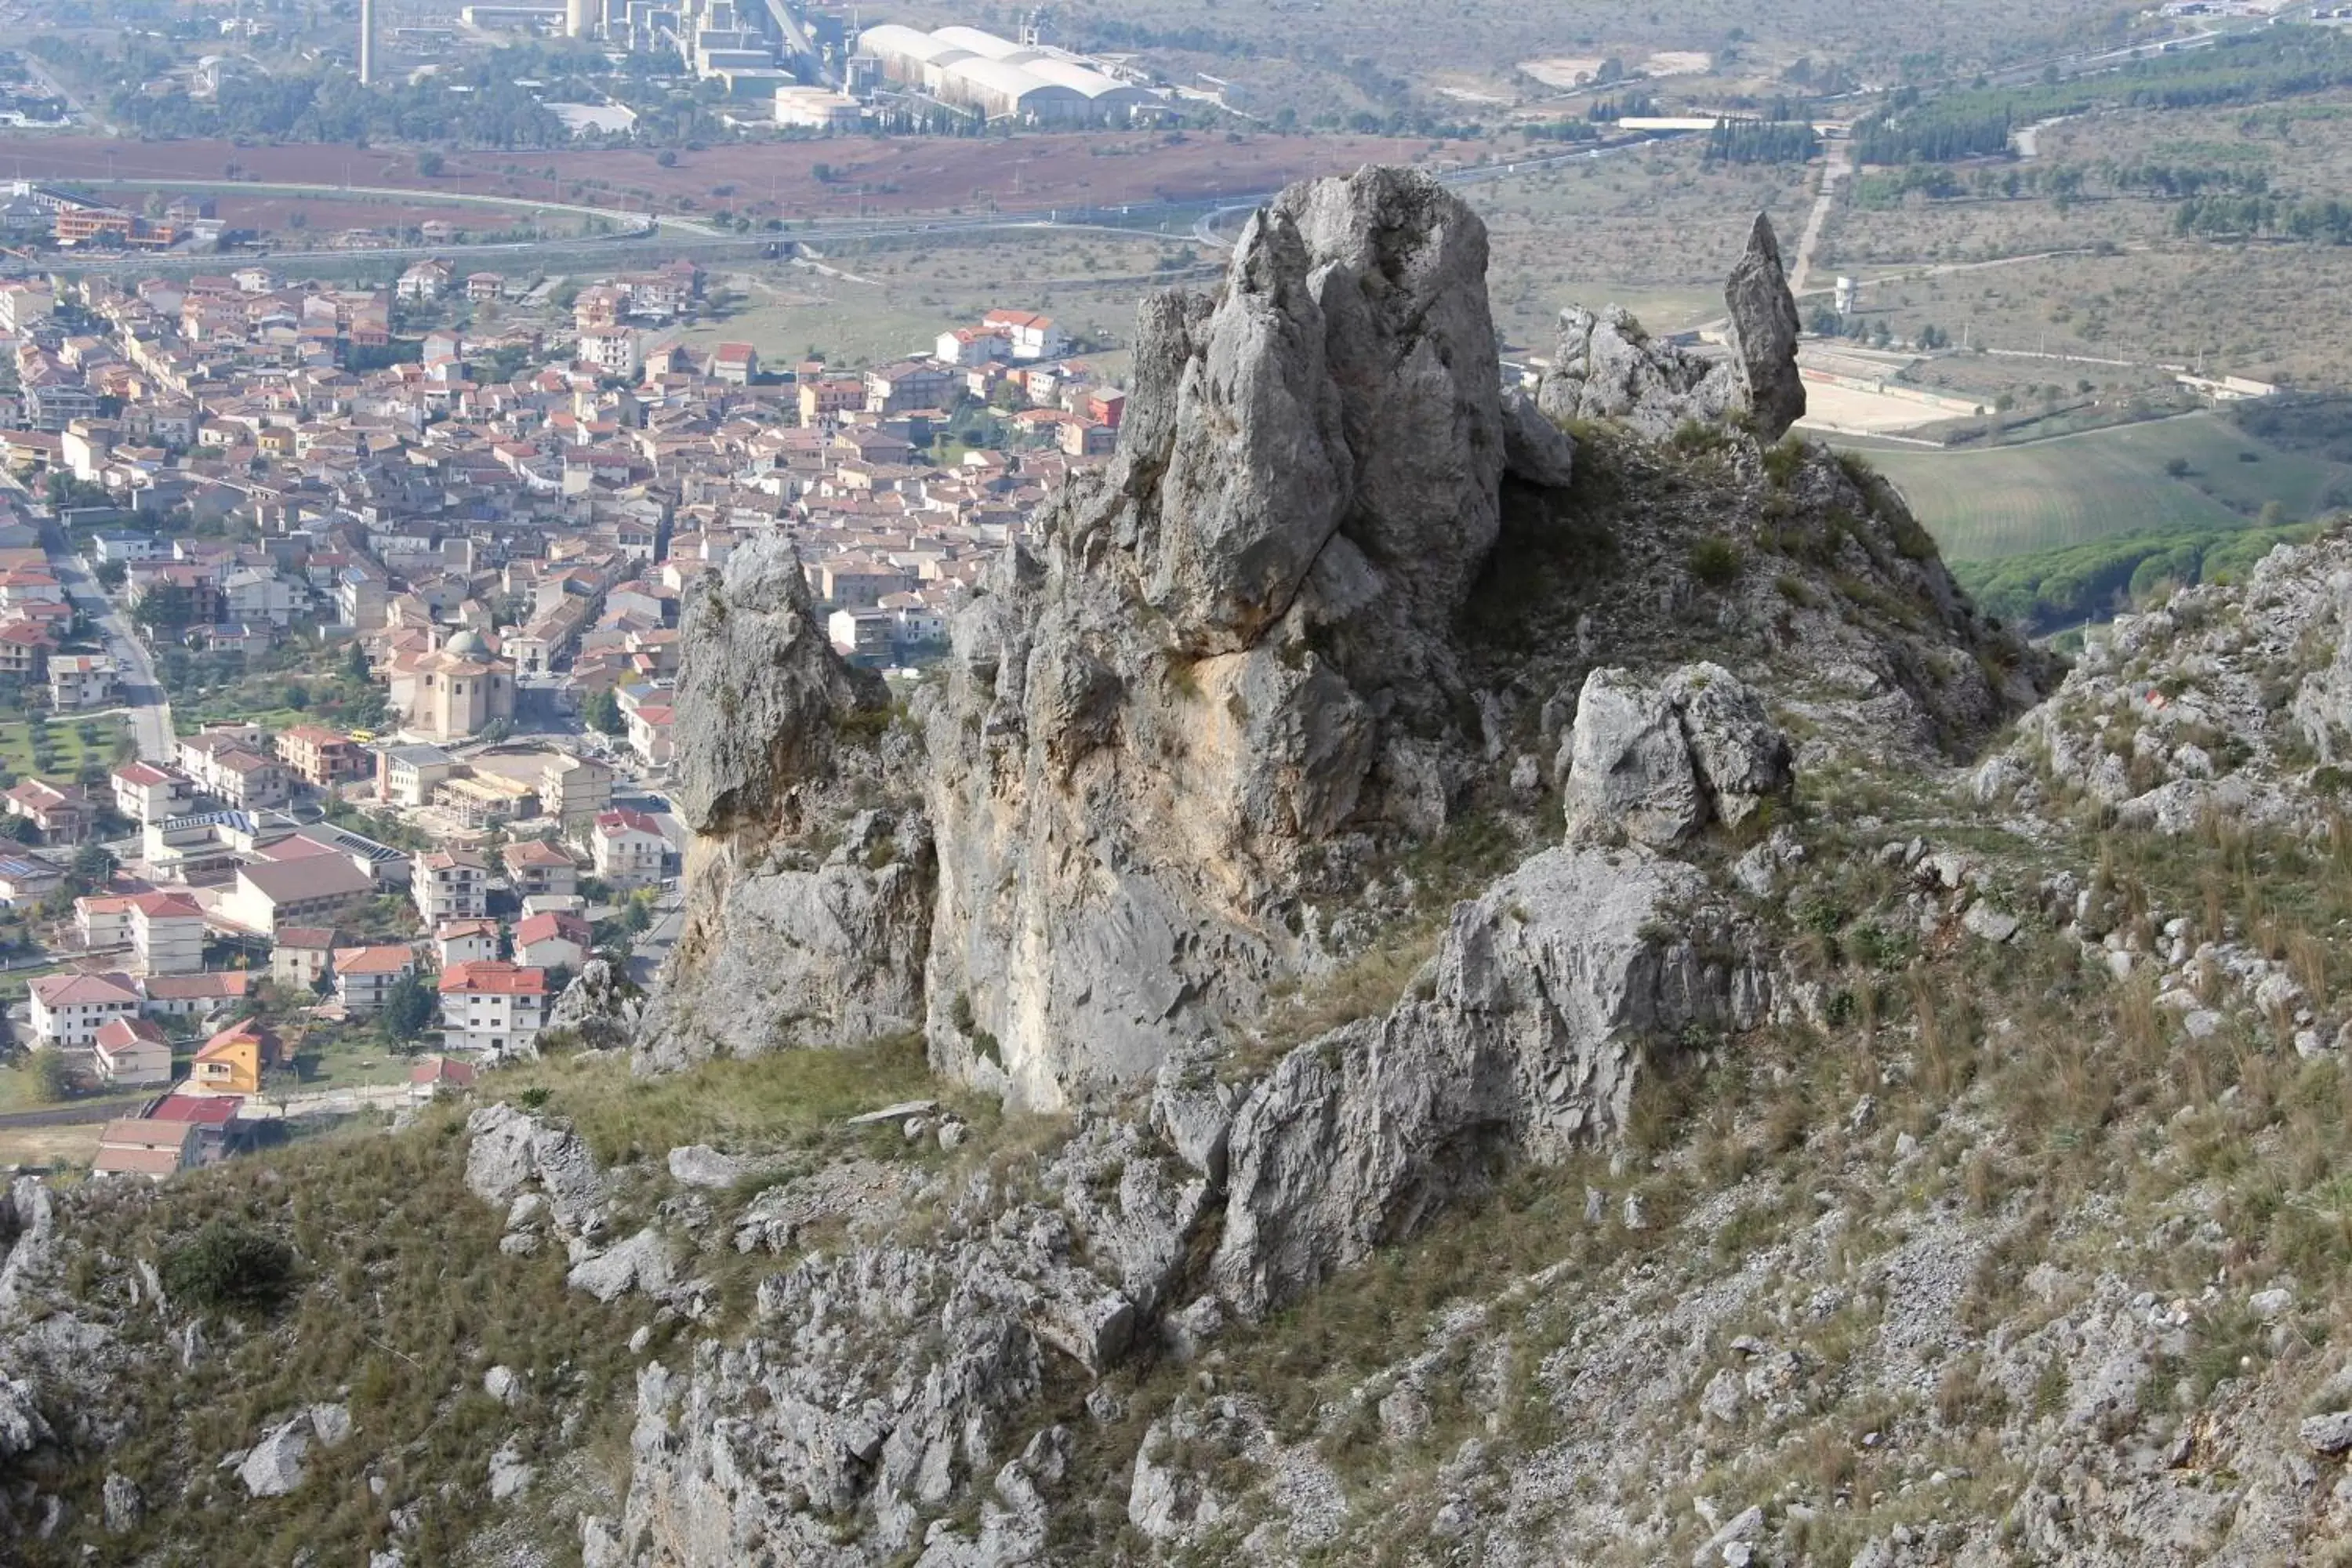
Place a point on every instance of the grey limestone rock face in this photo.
(599, 1007)
(1156, 707)
(22, 1427)
(640, 1263)
(701, 1165)
(33, 1213)
(123, 1505)
(1524, 1036)
(1607, 368)
(1656, 762)
(760, 690)
(1534, 448)
(783, 946)
(883, 1380)
(780, 956)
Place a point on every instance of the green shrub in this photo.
(1715, 561)
(227, 1267)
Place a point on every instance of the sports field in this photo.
(1984, 503)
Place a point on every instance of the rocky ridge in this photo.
(1749, 1128)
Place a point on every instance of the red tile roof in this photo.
(493, 977)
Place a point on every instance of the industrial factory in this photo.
(819, 77)
(967, 69)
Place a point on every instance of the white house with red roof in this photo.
(466, 940)
(1033, 336)
(167, 933)
(132, 1053)
(70, 1009)
(553, 939)
(365, 976)
(491, 1006)
(145, 793)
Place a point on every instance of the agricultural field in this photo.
(1984, 503)
(1656, 231)
(1320, 57)
(49, 1146)
(880, 302)
(64, 738)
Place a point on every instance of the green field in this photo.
(65, 740)
(1986, 503)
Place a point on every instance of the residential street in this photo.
(143, 692)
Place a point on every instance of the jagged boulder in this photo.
(1607, 368)
(883, 1379)
(760, 692)
(783, 943)
(599, 1007)
(1654, 763)
(512, 1149)
(22, 1427)
(276, 1465)
(640, 1263)
(32, 1216)
(1524, 1036)
(1763, 330)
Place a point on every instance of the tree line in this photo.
(2247, 67)
(2051, 590)
(1761, 141)
(2229, 217)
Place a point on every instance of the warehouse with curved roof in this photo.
(999, 78)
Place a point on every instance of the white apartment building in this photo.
(628, 850)
(450, 885)
(491, 1006)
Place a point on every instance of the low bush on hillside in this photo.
(227, 1267)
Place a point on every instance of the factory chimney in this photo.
(367, 43)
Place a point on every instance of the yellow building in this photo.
(232, 1061)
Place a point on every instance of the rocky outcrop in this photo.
(1607, 368)
(881, 1381)
(1763, 330)
(519, 1160)
(778, 953)
(277, 1463)
(1654, 764)
(1231, 647)
(758, 708)
(600, 1009)
(786, 942)
(1523, 1038)
(2229, 701)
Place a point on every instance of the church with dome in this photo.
(454, 692)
